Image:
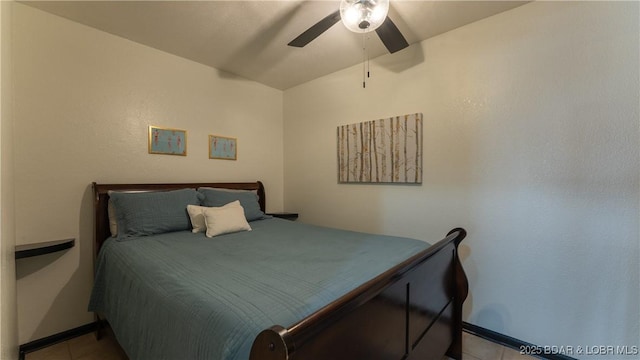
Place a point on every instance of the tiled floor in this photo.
(86, 347)
(476, 348)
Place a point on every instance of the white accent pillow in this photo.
(196, 215)
(225, 219)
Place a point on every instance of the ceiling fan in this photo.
(360, 16)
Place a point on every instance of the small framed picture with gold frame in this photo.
(222, 147)
(167, 141)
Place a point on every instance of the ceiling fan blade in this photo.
(391, 37)
(316, 30)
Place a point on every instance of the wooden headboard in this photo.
(101, 200)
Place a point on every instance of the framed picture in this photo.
(167, 141)
(381, 151)
(222, 147)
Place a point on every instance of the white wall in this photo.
(530, 142)
(8, 306)
(83, 102)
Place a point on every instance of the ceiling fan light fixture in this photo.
(362, 16)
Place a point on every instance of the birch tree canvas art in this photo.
(381, 151)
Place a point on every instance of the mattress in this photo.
(181, 295)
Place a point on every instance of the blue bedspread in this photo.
(185, 296)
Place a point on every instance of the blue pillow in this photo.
(148, 213)
(248, 200)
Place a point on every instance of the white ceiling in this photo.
(249, 38)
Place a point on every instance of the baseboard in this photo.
(510, 342)
(487, 334)
(56, 338)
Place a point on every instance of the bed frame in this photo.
(411, 311)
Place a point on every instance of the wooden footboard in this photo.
(412, 311)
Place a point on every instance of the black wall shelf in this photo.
(29, 250)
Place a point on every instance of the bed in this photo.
(284, 290)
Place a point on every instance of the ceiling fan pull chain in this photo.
(368, 58)
(364, 58)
